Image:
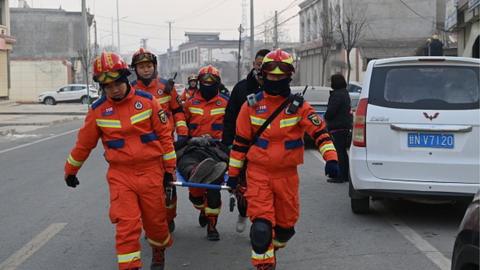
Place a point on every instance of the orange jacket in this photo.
(188, 93)
(132, 130)
(171, 103)
(280, 146)
(206, 117)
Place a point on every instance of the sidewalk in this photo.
(18, 118)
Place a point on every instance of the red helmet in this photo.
(143, 55)
(278, 62)
(209, 75)
(109, 67)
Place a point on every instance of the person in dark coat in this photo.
(339, 124)
(245, 87)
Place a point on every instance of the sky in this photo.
(148, 19)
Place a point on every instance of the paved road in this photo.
(45, 225)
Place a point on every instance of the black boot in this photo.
(212, 233)
(202, 219)
(158, 258)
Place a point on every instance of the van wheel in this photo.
(360, 206)
(49, 101)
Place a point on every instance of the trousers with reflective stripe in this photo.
(136, 199)
(272, 195)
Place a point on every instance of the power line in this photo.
(273, 17)
(178, 27)
(282, 22)
(203, 11)
(138, 35)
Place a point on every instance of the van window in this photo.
(426, 87)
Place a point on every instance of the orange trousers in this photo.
(272, 195)
(136, 198)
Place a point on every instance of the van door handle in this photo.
(431, 128)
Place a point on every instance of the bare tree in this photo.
(326, 35)
(351, 22)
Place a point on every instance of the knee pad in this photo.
(261, 235)
(214, 198)
(284, 234)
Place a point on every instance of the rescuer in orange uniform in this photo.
(205, 112)
(145, 64)
(139, 149)
(272, 177)
(190, 89)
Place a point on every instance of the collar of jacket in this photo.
(123, 100)
(252, 83)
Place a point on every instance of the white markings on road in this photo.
(413, 237)
(421, 244)
(31, 247)
(38, 141)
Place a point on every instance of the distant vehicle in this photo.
(416, 130)
(466, 249)
(354, 87)
(69, 93)
(317, 97)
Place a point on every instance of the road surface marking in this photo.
(38, 141)
(413, 237)
(31, 247)
(421, 244)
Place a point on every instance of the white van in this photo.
(416, 130)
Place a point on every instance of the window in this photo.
(426, 87)
(1, 13)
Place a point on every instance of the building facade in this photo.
(463, 18)
(392, 29)
(50, 44)
(201, 49)
(6, 42)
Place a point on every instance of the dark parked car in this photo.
(466, 251)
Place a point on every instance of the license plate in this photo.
(429, 140)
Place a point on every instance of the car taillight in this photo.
(359, 124)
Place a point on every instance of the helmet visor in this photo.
(275, 67)
(107, 77)
(208, 78)
(143, 57)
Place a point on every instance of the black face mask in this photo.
(208, 91)
(277, 88)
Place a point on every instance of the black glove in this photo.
(167, 179)
(232, 182)
(169, 86)
(72, 181)
(331, 169)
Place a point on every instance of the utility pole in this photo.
(118, 28)
(169, 51)
(265, 34)
(143, 43)
(86, 54)
(275, 31)
(240, 31)
(95, 53)
(113, 36)
(252, 33)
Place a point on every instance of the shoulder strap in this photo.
(270, 119)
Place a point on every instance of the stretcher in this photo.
(181, 182)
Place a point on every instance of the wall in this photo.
(30, 78)
(3, 74)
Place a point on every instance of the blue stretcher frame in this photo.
(181, 182)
